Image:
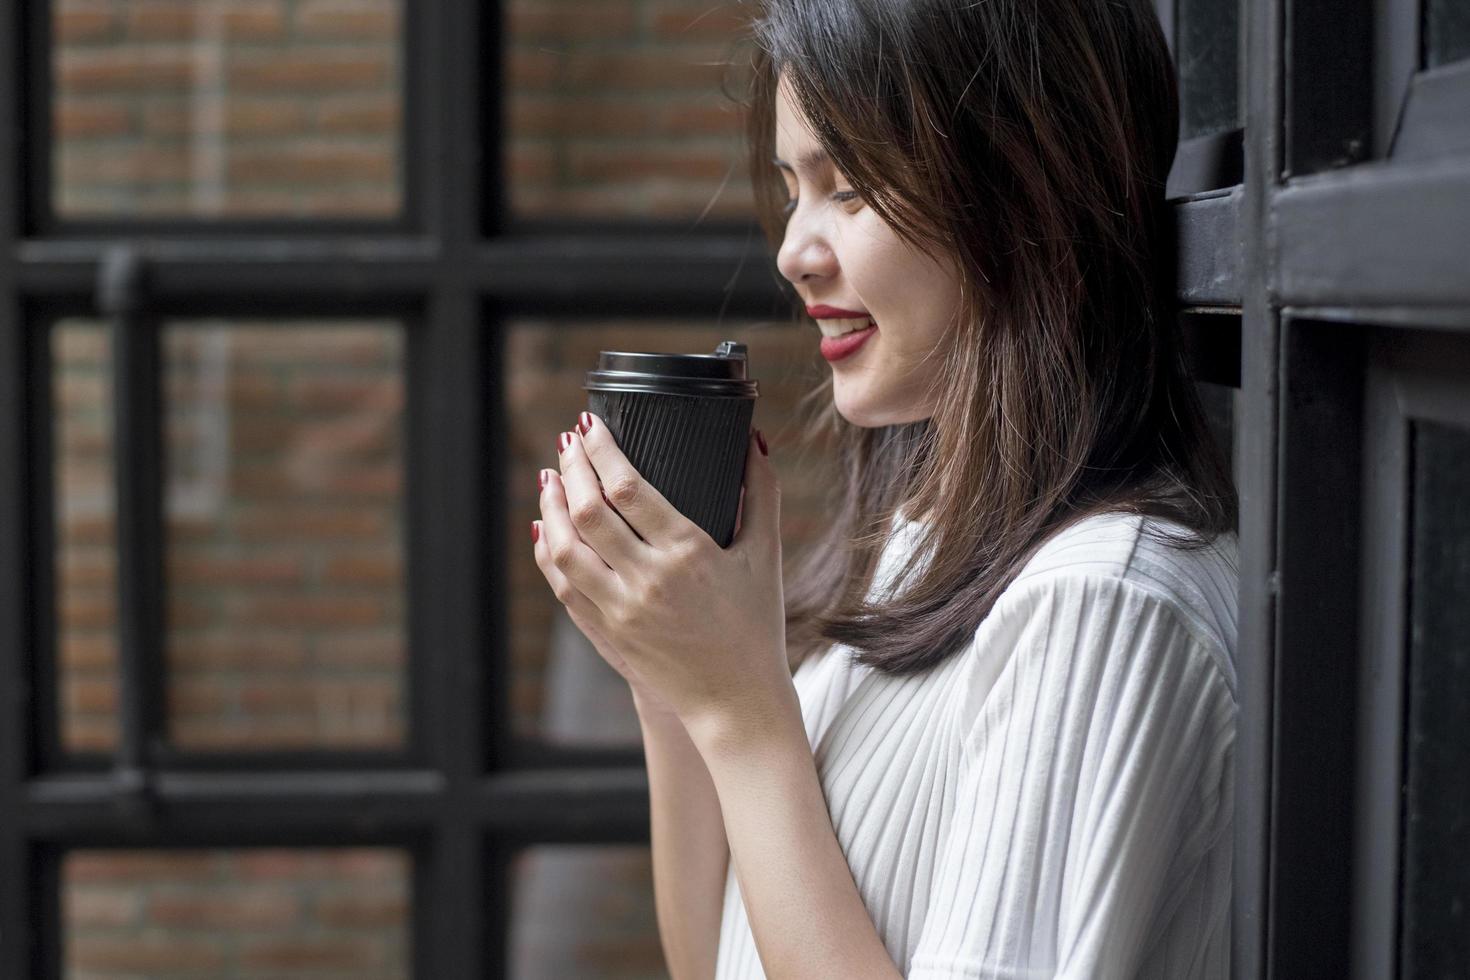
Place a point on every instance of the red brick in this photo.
(533, 68)
(76, 21)
(180, 20)
(111, 71)
(699, 21)
(139, 867)
(614, 163)
(155, 956)
(306, 611)
(310, 161)
(348, 19)
(94, 907)
(228, 572)
(358, 650)
(238, 117)
(227, 650)
(690, 69)
(311, 954)
(325, 393)
(362, 910)
(535, 20)
(703, 119)
(76, 119)
(317, 523)
(87, 610)
(226, 911)
(139, 164)
(375, 114)
(309, 71)
(382, 568)
(88, 652)
(89, 734)
(580, 116)
(294, 347)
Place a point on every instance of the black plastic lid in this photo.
(718, 375)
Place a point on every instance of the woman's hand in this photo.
(696, 627)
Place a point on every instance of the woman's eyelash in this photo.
(840, 196)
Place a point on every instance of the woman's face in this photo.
(838, 253)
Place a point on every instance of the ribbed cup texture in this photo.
(691, 449)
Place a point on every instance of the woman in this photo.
(989, 730)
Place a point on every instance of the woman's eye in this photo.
(841, 197)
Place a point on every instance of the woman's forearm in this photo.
(690, 852)
(806, 914)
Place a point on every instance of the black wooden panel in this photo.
(1436, 875)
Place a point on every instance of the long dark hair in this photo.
(1029, 139)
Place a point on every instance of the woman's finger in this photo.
(592, 515)
(658, 522)
(586, 574)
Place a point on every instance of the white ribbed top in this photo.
(1056, 800)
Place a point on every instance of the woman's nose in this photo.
(805, 254)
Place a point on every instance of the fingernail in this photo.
(542, 477)
(584, 423)
(760, 440)
(535, 531)
(563, 441)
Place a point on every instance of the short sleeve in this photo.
(1093, 788)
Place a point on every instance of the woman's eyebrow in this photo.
(808, 161)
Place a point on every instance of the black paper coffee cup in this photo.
(683, 421)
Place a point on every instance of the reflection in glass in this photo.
(226, 108)
(85, 536)
(615, 109)
(1436, 780)
(561, 690)
(1208, 63)
(284, 482)
(236, 914)
(1446, 31)
(584, 912)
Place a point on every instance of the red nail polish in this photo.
(584, 423)
(541, 480)
(535, 532)
(760, 440)
(563, 441)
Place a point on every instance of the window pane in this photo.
(86, 541)
(1208, 43)
(561, 689)
(236, 915)
(230, 108)
(1446, 31)
(1436, 754)
(284, 534)
(615, 109)
(584, 912)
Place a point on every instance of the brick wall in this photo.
(239, 108)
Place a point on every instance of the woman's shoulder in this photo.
(1136, 553)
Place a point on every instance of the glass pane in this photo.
(1436, 891)
(85, 542)
(561, 689)
(236, 915)
(1446, 31)
(1208, 43)
(227, 108)
(584, 912)
(615, 109)
(284, 534)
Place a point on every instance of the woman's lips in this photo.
(832, 313)
(836, 348)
